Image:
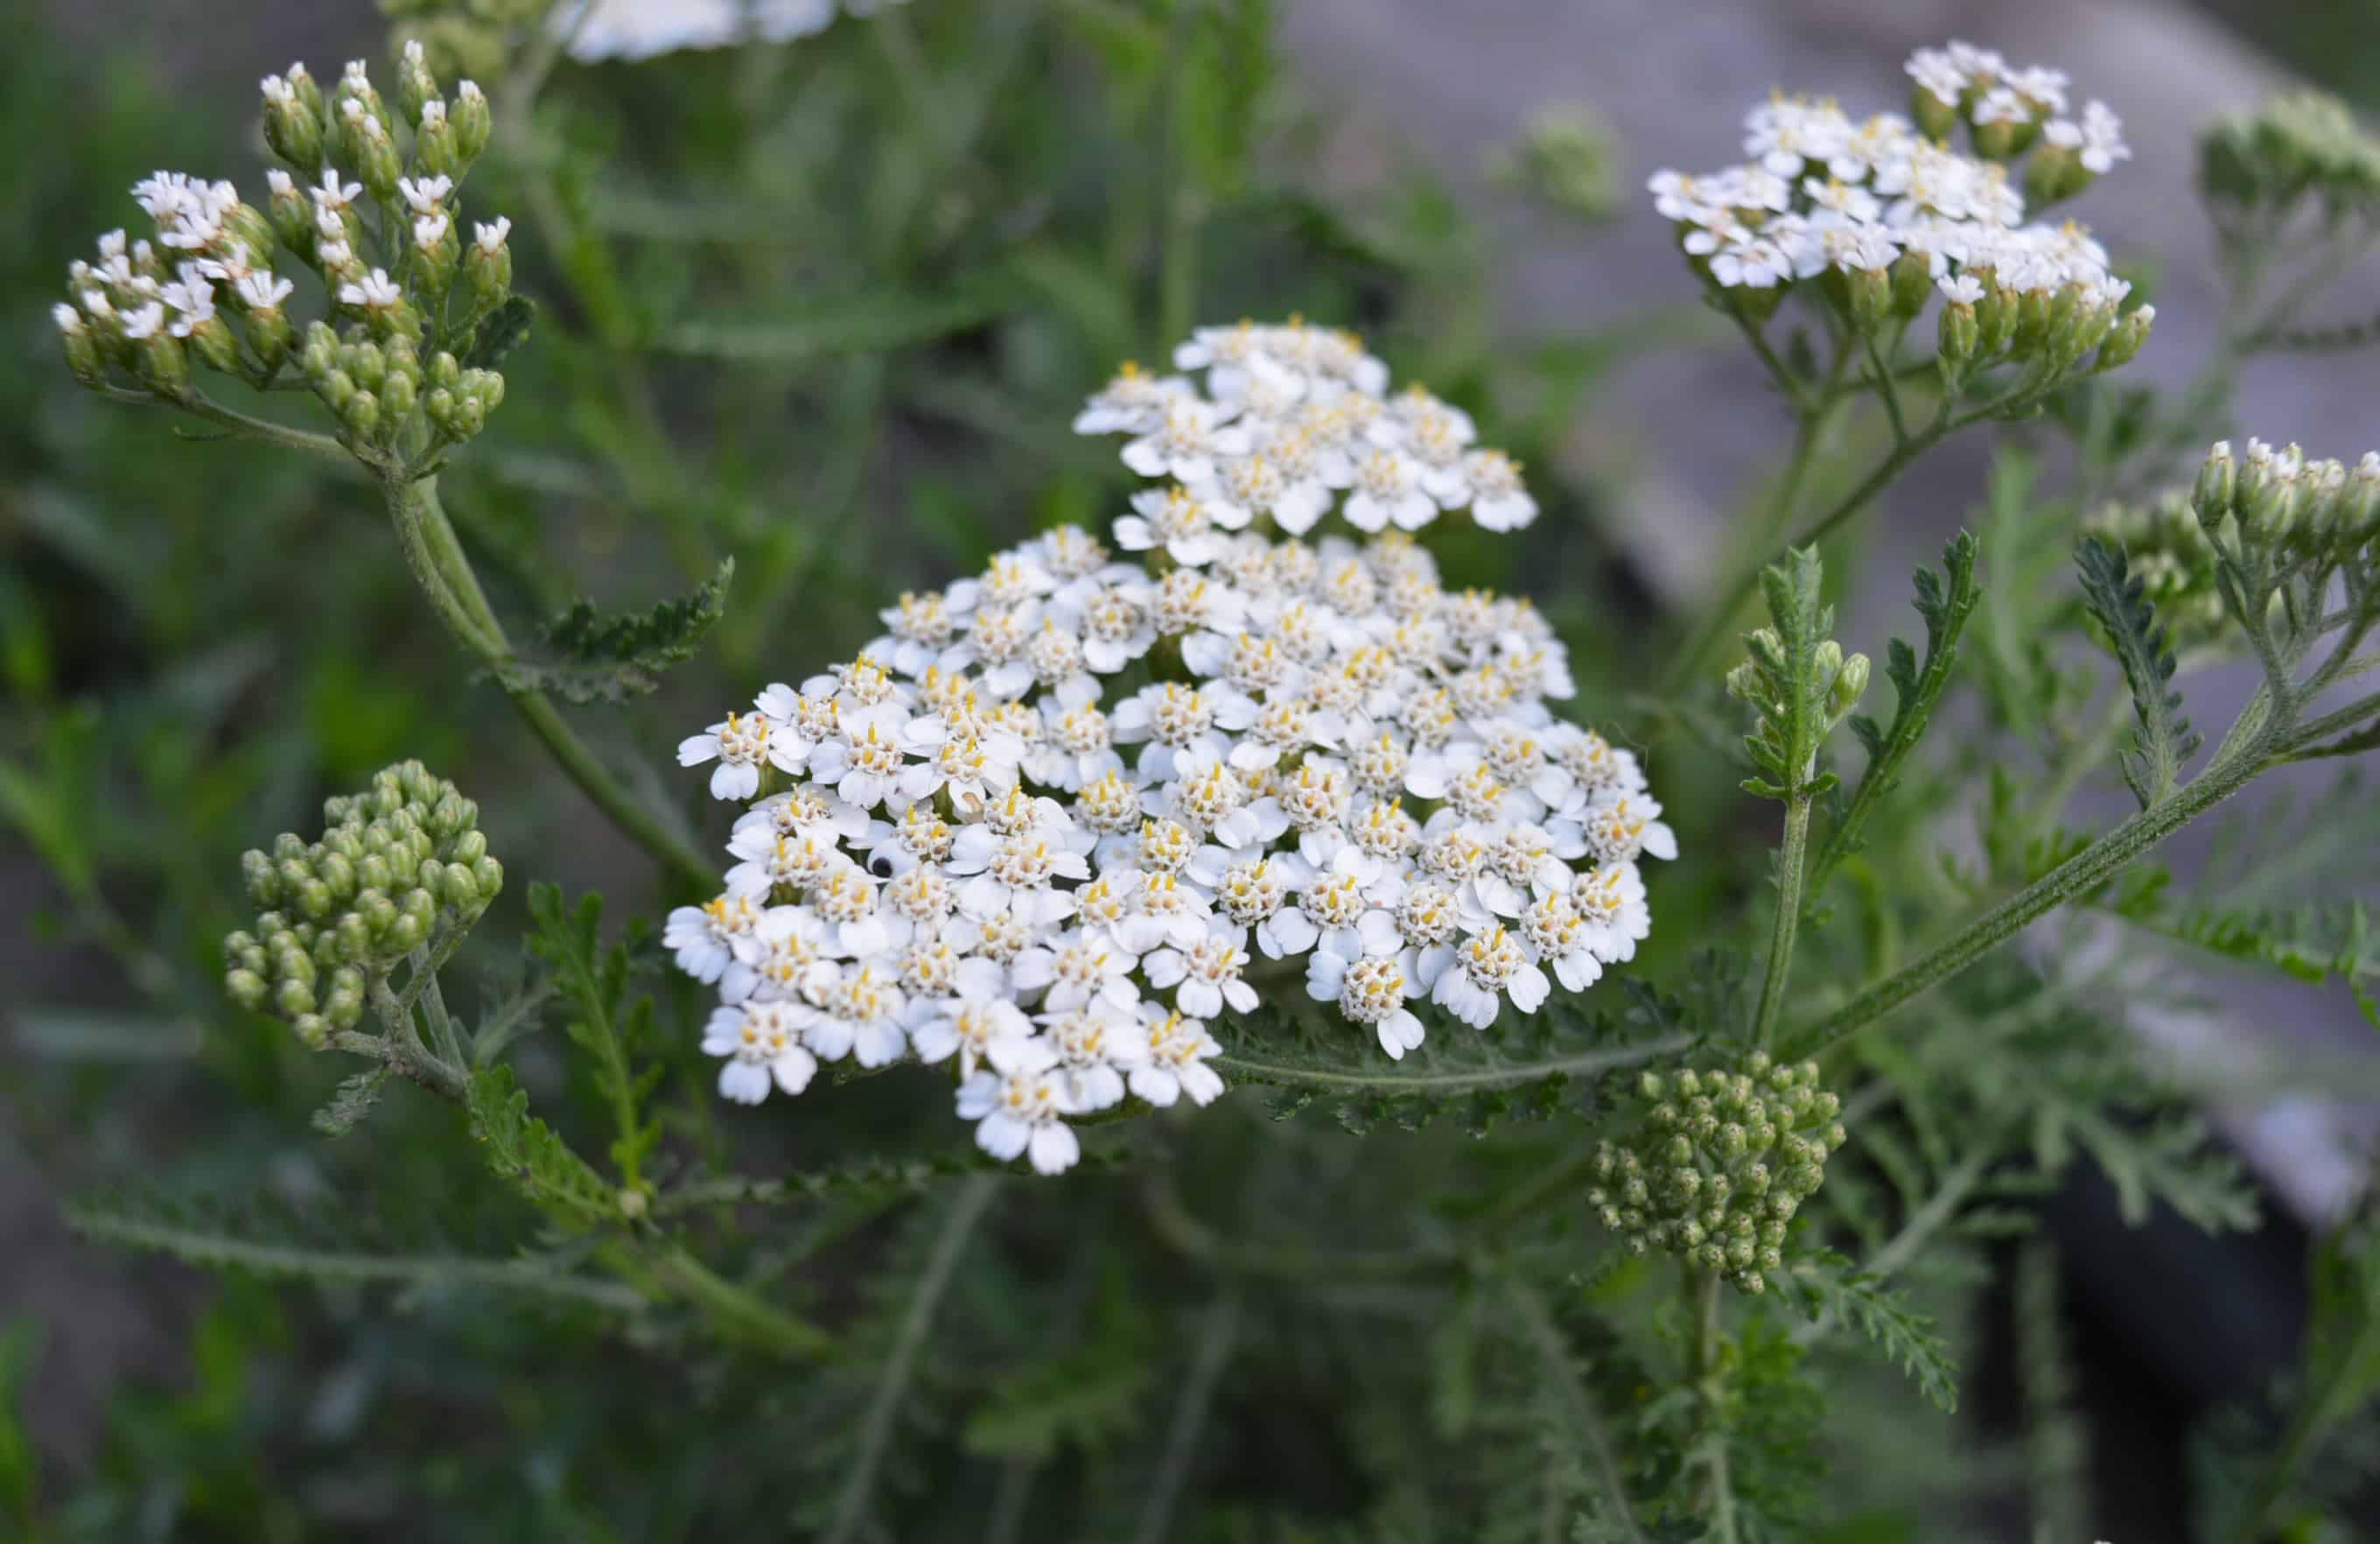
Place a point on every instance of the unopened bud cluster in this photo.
(1765, 682)
(1874, 216)
(371, 210)
(395, 863)
(2303, 146)
(1718, 1162)
(2275, 505)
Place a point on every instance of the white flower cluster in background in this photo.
(1065, 813)
(644, 29)
(1822, 191)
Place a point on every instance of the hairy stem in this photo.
(966, 1208)
(445, 574)
(2085, 871)
(1791, 858)
(1704, 1289)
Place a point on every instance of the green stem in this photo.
(1560, 1359)
(1889, 391)
(2087, 870)
(1704, 1288)
(280, 434)
(442, 1024)
(2280, 1475)
(1445, 1084)
(1692, 658)
(444, 572)
(1216, 1336)
(198, 404)
(966, 1208)
(1794, 390)
(1791, 858)
(738, 1310)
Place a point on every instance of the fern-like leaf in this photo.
(1827, 1284)
(605, 1022)
(281, 1243)
(354, 1100)
(1943, 605)
(525, 1152)
(592, 656)
(2118, 603)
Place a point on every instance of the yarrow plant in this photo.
(1068, 813)
(1228, 787)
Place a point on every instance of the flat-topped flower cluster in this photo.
(1824, 192)
(1065, 813)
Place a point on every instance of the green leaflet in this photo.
(604, 1022)
(525, 1152)
(1825, 1283)
(357, 1095)
(271, 1241)
(590, 656)
(2119, 605)
(1943, 605)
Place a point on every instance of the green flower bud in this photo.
(1934, 118)
(1869, 300)
(214, 346)
(361, 415)
(2126, 336)
(246, 988)
(445, 369)
(415, 84)
(313, 1031)
(164, 367)
(293, 997)
(336, 389)
(81, 346)
(2055, 174)
(435, 149)
(262, 880)
(292, 212)
(471, 847)
(488, 265)
(472, 120)
(1996, 314)
(1996, 140)
(314, 898)
(268, 333)
(1912, 283)
(405, 934)
(396, 398)
(292, 127)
